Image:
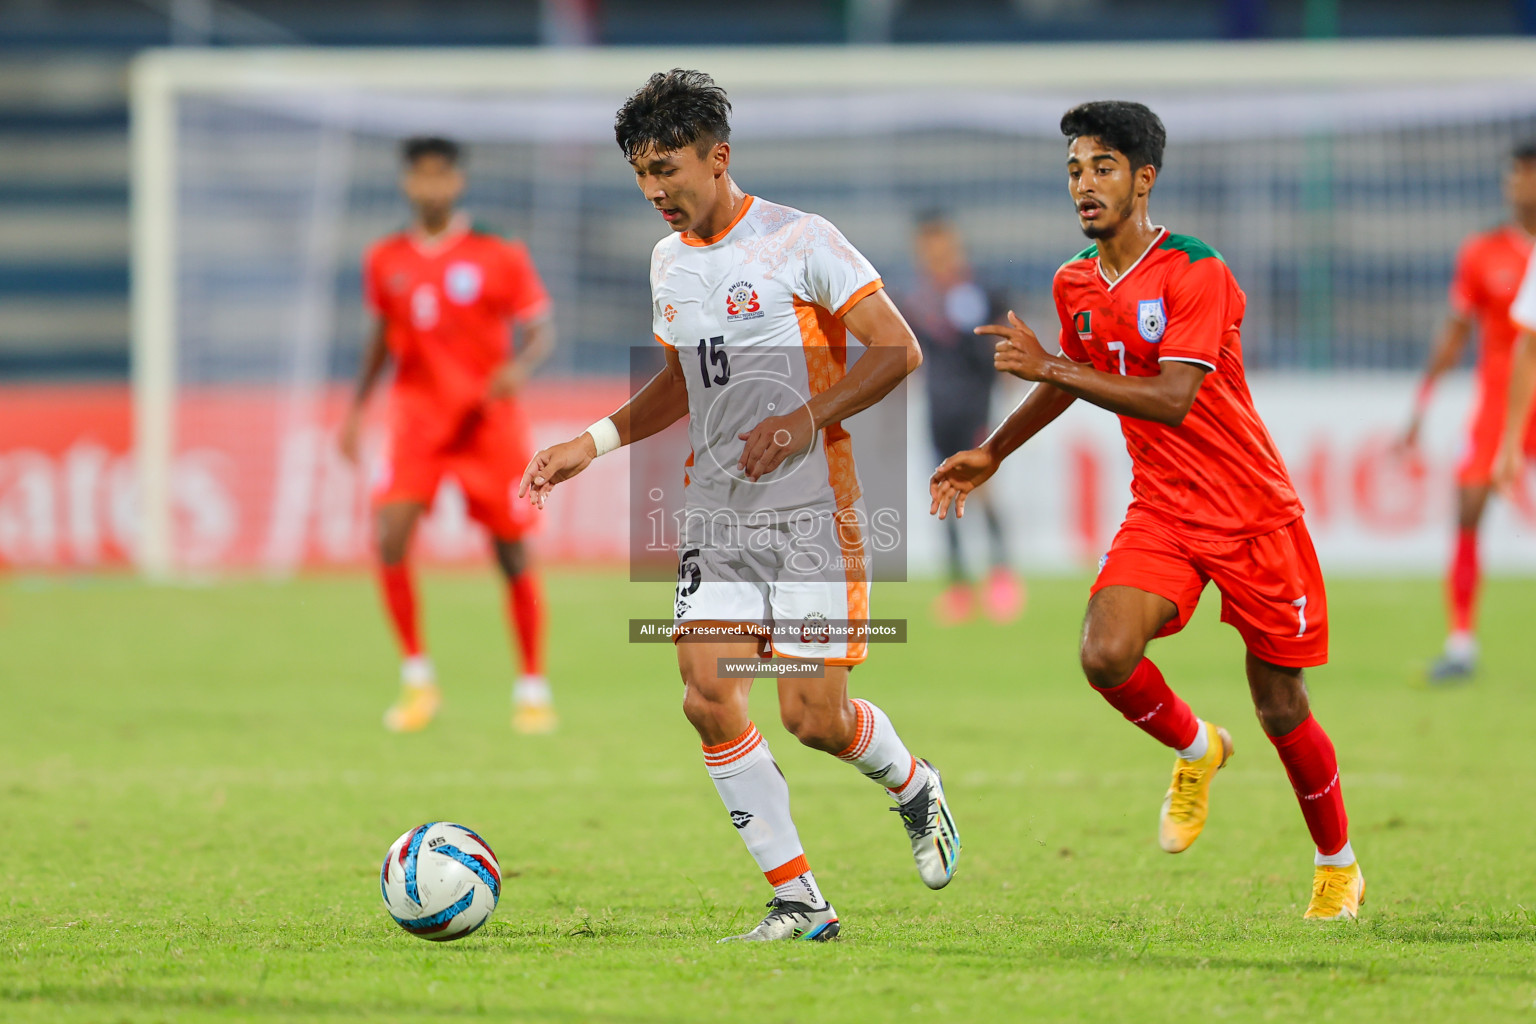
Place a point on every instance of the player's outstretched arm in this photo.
(662, 402)
(963, 472)
(1449, 344)
(374, 358)
(892, 354)
(1164, 398)
(536, 341)
(1522, 398)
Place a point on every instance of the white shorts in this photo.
(800, 580)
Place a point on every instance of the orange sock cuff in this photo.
(785, 872)
(863, 732)
(733, 750)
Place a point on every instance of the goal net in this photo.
(1337, 180)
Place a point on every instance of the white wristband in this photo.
(605, 436)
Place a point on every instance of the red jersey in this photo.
(447, 305)
(1217, 474)
(1488, 271)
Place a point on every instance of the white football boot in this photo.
(935, 840)
(788, 921)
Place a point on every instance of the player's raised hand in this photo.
(1506, 471)
(351, 430)
(1019, 352)
(775, 439)
(956, 477)
(507, 381)
(554, 465)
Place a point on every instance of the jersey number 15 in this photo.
(712, 353)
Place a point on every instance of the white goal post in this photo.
(254, 172)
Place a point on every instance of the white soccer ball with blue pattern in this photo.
(440, 881)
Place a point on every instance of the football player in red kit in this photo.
(1488, 271)
(1150, 330)
(446, 297)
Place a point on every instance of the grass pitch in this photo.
(197, 793)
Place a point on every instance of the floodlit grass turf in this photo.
(197, 794)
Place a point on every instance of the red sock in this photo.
(525, 607)
(400, 601)
(1147, 703)
(1308, 756)
(1463, 580)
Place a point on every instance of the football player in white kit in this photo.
(753, 303)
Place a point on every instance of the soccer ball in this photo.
(440, 881)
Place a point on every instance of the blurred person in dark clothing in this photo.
(943, 307)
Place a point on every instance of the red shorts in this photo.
(486, 456)
(1271, 585)
(1484, 433)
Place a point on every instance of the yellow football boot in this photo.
(1336, 893)
(414, 710)
(1189, 795)
(534, 719)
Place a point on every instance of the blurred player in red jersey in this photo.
(444, 294)
(1516, 449)
(1488, 271)
(1150, 330)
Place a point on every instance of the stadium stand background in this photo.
(63, 112)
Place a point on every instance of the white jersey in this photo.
(1523, 311)
(754, 315)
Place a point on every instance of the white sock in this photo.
(878, 752)
(801, 889)
(1202, 744)
(530, 690)
(417, 671)
(757, 797)
(1343, 859)
(1461, 645)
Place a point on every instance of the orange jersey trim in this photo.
(784, 872)
(834, 662)
(665, 342)
(712, 239)
(826, 350)
(858, 297)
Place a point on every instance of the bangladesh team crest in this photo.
(462, 282)
(741, 302)
(1151, 319)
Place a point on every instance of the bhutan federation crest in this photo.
(741, 302)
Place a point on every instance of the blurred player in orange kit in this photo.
(444, 294)
(944, 308)
(1151, 330)
(1488, 271)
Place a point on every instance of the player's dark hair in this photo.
(1122, 125)
(1525, 150)
(414, 149)
(672, 110)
